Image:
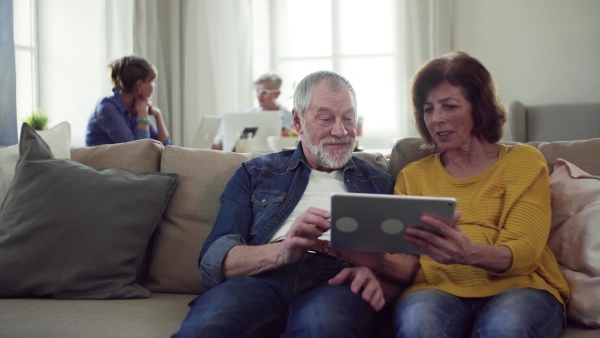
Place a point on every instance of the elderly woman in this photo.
(123, 115)
(489, 273)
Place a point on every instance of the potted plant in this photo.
(359, 123)
(37, 120)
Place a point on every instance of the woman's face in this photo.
(147, 87)
(448, 117)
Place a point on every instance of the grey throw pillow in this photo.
(71, 231)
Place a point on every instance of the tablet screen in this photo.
(375, 222)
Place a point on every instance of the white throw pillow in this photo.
(575, 238)
(58, 139)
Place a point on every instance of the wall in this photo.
(539, 51)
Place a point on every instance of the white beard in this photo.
(329, 159)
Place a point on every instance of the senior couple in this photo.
(488, 273)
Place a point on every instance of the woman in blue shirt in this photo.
(123, 116)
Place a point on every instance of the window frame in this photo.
(33, 50)
(336, 58)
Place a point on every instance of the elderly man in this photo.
(266, 262)
(268, 89)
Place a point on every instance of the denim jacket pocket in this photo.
(267, 197)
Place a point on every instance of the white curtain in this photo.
(425, 32)
(202, 50)
(8, 96)
(118, 31)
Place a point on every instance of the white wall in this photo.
(539, 51)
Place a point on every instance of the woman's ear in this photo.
(138, 87)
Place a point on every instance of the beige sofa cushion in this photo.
(156, 317)
(575, 239)
(189, 217)
(192, 212)
(137, 156)
(585, 153)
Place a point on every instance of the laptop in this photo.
(268, 123)
(376, 222)
(206, 132)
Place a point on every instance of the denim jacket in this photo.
(261, 195)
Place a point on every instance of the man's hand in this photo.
(362, 278)
(303, 233)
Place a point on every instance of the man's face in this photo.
(328, 129)
(267, 93)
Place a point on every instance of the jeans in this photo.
(513, 313)
(295, 298)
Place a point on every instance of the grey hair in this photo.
(272, 77)
(303, 92)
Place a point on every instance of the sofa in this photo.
(169, 265)
(550, 122)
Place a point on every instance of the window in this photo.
(25, 35)
(355, 38)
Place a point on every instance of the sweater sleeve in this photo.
(525, 222)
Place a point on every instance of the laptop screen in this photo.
(206, 132)
(268, 123)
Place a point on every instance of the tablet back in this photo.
(375, 222)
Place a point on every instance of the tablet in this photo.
(376, 222)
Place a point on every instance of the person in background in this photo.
(267, 262)
(488, 273)
(123, 115)
(268, 89)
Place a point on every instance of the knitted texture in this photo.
(507, 204)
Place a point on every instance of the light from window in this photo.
(352, 37)
(25, 57)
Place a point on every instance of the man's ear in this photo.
(278, 93)
(296, 120)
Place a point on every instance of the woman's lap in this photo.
(520, 312)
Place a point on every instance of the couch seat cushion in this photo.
(158, 316)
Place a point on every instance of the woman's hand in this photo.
(153, 110)
(450, 246)
(142, 107)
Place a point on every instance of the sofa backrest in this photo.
(553, 122)
(191, 213)
(583, 153)
(137, 156)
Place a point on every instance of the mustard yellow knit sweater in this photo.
(507, 204)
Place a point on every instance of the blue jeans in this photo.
(295, 298)
(514, 313)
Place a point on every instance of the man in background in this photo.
(268, 89)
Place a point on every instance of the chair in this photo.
(555, 122)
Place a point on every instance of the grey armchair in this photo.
(557, 122)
